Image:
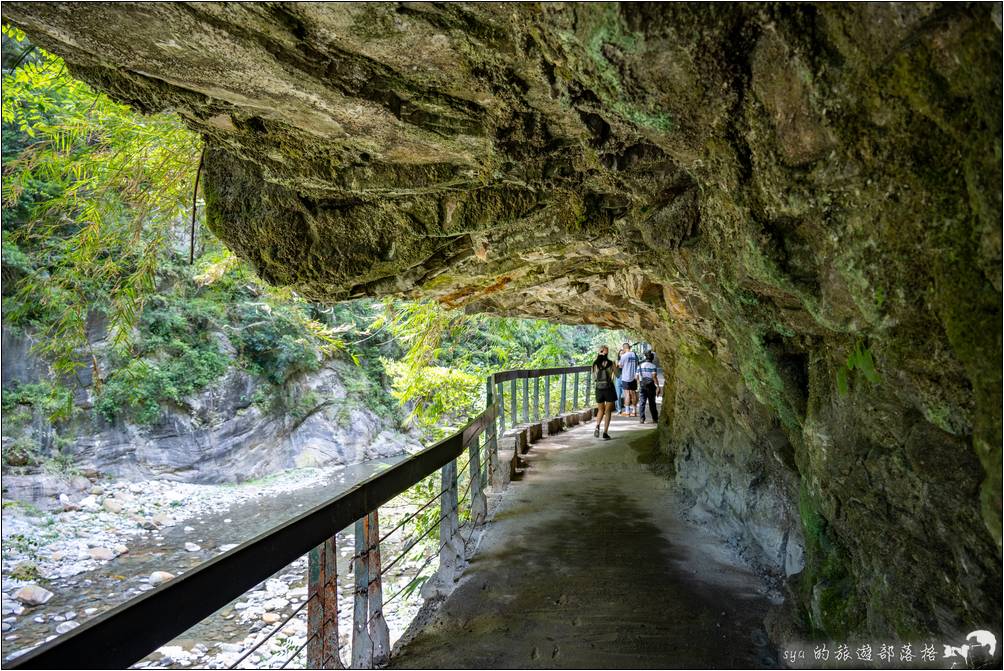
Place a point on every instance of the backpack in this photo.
(603, 377)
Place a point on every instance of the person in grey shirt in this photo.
(648, 384)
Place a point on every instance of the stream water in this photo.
(218, 640)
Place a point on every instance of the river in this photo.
(219, 640)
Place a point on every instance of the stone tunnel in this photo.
(799, 205)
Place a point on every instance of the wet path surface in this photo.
(587, 566)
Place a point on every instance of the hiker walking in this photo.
(619, 384)
(629, 372)
(603, 373)
(648, 383)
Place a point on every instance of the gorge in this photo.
(798, 205)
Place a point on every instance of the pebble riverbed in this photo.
(114, 540)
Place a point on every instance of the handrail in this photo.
(124, 635)
(519, 374)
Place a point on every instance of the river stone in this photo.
(159, 577)
(163, 519)
(192, 547)
(270, 618)
(112, 506)
(277, 603)
(89, 503)
(121, 549)
(101, 554)
(275, 587)
(80, 483)
(5, 627)
(70, 615)
(33, 595)
(67, 503)
(90, 611)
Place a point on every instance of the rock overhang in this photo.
(762, 189)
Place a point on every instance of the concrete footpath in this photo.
(586, 565)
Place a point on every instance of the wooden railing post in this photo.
(512, 402)
(526, 400)
(547, 396)
(575, 392)
(379, 632)
(536, 398)
(322, 607)
(589, 388)
(564, 393)
(492, 437)
(362, 646)
(479, 504)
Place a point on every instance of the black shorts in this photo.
(631, 386)
(606, 394)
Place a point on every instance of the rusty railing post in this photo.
(479, 504)
(536, 398)
(492, 437)
(322, 607)
(512, 402)
(547, 396)
(500, 399)
(362, 645)
(575, 392)
(526, 400)
(564, 393)
(379, 632)
(449, 525)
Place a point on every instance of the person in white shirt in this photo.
(629, 378)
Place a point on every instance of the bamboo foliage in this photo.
(98, 191)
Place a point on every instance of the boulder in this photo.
(160, 577)
(33, 595)
(101, 553)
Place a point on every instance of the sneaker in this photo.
(642, 421)
(606, 436)
(597, 432)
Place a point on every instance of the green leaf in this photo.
(842, 387)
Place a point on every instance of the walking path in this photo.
(587, 565)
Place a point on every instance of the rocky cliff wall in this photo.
(218, 435)
(800, 204)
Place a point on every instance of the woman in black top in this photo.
(603, 373)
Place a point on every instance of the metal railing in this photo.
(127, 633)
